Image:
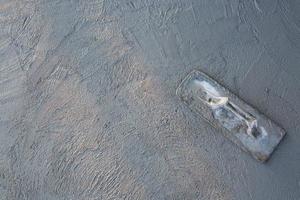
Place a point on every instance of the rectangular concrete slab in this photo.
(241, 123)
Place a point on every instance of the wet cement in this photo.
(88, 108)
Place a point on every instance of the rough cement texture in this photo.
(88, 107)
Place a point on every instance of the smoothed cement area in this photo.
(88, 108)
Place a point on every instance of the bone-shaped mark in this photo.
(215, 100)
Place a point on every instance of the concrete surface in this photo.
(88, 107)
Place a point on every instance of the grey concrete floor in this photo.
(88, 107)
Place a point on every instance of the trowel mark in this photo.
(257, 6)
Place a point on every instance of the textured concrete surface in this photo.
(88, 107)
